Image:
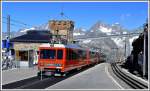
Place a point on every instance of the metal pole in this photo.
(125, 48)
(148, 58)
(116, 50)
(129, 45)
(144, 55)
(8, 26)
(41, 73)
(117, 55)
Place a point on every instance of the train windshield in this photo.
(47, 54)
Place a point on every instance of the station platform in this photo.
(96, 77)
(16, 74)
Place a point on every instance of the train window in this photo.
(81, 54)
(92, 54)
(47, 54)
(74, 55)
(84, 54)
(59, 54)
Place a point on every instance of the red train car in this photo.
(59, 59)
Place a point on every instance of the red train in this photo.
(59, 59)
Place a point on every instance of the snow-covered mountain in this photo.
(100, 29)
(114, 29)
(97, 30)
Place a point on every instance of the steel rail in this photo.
(133, 83)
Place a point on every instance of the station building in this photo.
(26, 46)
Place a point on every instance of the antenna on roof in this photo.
(62, 13)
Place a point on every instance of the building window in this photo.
(23, 55)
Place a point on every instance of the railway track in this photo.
(37, 83)
(132, 82)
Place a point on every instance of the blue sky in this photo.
(129, 14)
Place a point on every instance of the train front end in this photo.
(51, 61)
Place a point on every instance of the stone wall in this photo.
(62, 27)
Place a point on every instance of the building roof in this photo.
(34, 36)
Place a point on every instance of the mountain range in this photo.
(107, 44)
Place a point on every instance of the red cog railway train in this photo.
(59, 59)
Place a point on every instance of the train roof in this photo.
(74, 46)
(62, 46)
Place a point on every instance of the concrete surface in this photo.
(17, 74)
(94, 78)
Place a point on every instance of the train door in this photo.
(60, 57)
(60, 54)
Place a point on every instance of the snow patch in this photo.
(77, 34)
(105, 30)
(84, 30)
(131, 39)
(119, 41)
(86, 41)
(25, 30)
(124, 32)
